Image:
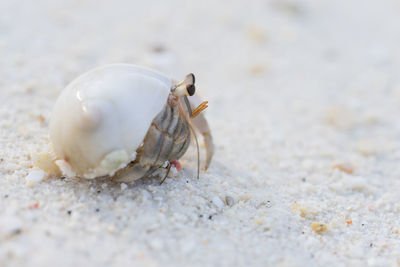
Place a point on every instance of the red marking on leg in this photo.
(173, 100)
(177, 165)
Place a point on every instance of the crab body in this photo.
(123, 121)
(167, 140)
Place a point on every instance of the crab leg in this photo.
(200, 123)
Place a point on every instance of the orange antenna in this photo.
(199, 109)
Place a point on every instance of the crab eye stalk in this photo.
(185, 87)
(191, 89)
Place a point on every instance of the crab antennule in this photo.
(199, 109)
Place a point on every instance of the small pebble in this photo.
(124, 186)
(9, 226)
(229, 201)
(69, 212)
(218, 202)
(35, 177)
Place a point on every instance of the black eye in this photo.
(191, 89)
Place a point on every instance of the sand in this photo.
(304, 104)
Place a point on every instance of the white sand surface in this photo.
(294, 88)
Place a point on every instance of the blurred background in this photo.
(259, 62)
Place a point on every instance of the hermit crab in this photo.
(126, 122)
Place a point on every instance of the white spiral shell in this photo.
(101, 118)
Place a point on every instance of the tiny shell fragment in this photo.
(65, 168)
(34, 206)
(257, 69)
(366, 147)
(319, 227)
(256, 34)
(344, 167)
(339, 117)
(45, 162)
(305, 210)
